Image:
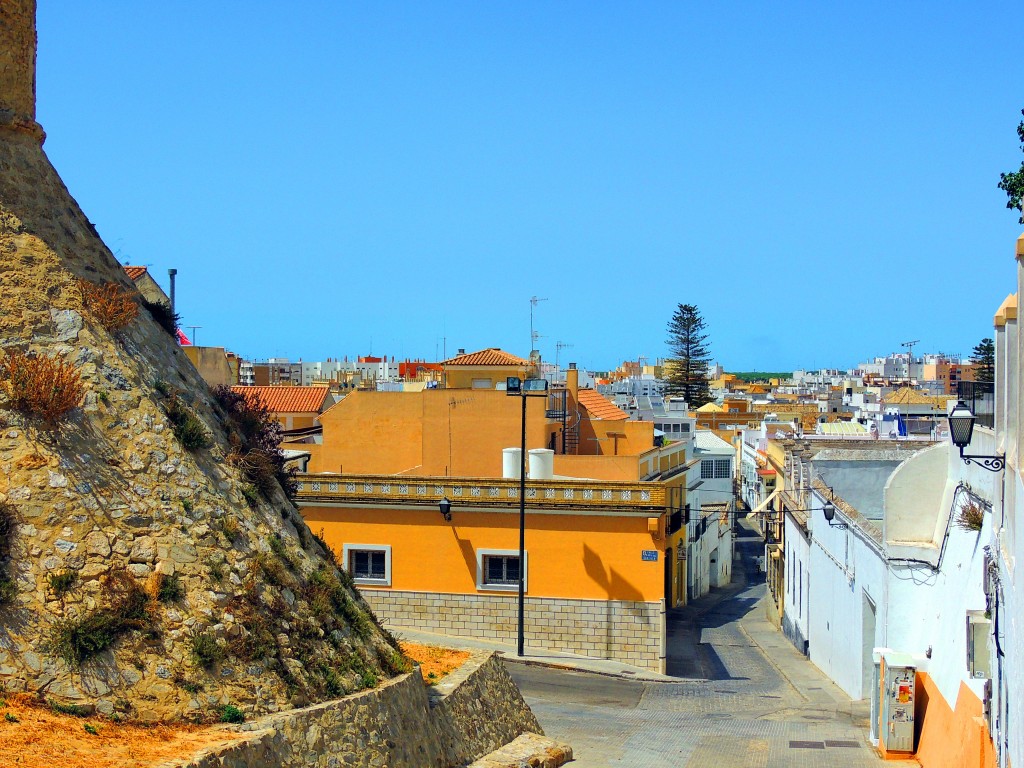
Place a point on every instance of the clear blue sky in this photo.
(336, 178)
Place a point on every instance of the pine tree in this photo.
(686, 373)
(1012, 183)
(984, 357)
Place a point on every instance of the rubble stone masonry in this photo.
(401, 724)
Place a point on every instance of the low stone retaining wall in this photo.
(400, 724)
(623, 630)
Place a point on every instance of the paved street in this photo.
(734, 707)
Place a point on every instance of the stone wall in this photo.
(623, 630)
(109, 501)
(401, 724)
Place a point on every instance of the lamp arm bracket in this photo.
(991, 463)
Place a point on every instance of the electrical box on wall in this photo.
(979, 627)
(898, 697)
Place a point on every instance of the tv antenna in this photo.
(194, 328)
(533, 334)
(559, 346)
(910, 355)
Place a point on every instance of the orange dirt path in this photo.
(434, 660)
(41, 738)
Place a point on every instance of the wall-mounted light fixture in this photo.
(446, 509)
(829, 510)
(961, 427)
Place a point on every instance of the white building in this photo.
(894, 570)
(711, 497)
(1006, 542)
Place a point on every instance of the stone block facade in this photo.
(401, 724)
(624, 630)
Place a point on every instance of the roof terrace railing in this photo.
(484, 492)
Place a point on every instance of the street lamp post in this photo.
(516, 387)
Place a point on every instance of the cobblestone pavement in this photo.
(732, 706)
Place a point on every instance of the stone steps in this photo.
(527, 751)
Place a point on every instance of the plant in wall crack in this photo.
(206, 651)
(124, 608)
(970, 516)
(186, 425)
(43, 389)
(112, 305)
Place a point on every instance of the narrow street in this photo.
(731, 707)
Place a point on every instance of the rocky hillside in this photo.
(150, 564)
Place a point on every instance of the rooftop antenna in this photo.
(194, 328)
(910, 354)
(533, 335)
(559, 346)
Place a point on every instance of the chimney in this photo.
(461, 351)
(18, 68)
(572, 382)
(172, 273)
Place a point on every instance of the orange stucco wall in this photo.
(951, 738)
(436, 432)
(568, 556)
(372, 432)
(462, 376)
(596, 437)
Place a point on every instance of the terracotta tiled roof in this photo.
(908, 396)
(135, 272)
(710, 408)
(285, 399)
(599, 406)
(489, 356)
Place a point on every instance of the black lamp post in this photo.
(961, 428)
(516, 387)
(446, 509)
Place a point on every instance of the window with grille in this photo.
(501, 569)
(369, 563)
(498, 569)
(714, 469)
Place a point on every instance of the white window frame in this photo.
(481, 574)
(347, 549)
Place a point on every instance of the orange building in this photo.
(462, 432)
(606, 511)
(294, 407)
(486, 369)
(598, 557)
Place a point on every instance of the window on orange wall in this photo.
(498, 569)
(369, 564)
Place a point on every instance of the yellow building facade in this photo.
(599, 557)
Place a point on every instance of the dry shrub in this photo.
(111, 304)
(126, 608)
(971, 516)
(255, 439)
(40, 387)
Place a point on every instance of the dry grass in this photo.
(434, 662)
(37, 737)
(971, 516)
(40, 387)
(112, 306)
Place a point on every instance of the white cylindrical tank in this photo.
(542, 463)
(511, 462)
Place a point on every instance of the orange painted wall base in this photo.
(951, 738)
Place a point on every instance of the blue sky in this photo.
(336, 178)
